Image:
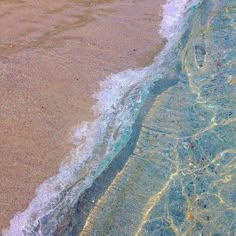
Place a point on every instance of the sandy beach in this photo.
(52, 57)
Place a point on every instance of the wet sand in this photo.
(52, 57)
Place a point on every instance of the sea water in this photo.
(160, 159)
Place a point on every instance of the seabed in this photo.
(181, 176)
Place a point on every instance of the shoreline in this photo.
(40, 106)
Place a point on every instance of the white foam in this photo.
(94, 143)
(174, 12)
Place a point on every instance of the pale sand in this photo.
(52, 56)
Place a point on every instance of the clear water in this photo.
(181, 177)
(164, 158)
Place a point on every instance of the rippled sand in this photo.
(52, 55)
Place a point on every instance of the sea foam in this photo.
(118, 105)
(97, 143)
(174, 14)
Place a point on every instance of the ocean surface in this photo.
(160, 158)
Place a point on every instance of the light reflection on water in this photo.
(180, 179)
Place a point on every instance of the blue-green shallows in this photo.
(181, 176)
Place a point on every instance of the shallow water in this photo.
(180, 179)
(175, 174)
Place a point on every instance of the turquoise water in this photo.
(180, 179)
(173, 170)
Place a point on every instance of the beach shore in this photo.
(52, 57)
